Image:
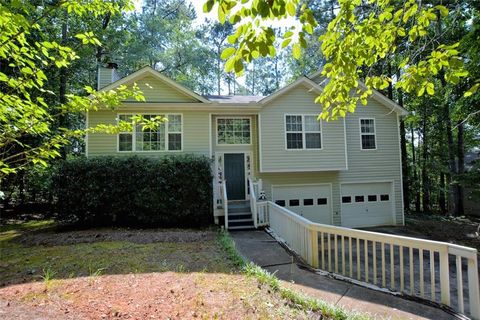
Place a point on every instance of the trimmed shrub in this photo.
(172, 191)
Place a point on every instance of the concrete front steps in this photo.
(239, 215)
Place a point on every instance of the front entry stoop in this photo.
(240, 215)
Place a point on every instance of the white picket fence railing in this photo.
(258, 208)
(411, 266)
(223, 185)
(253, 187)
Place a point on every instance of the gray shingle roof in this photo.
(234, 99)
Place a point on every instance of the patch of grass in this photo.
(20, 262)
(27, 226)
(228, 246)
(294, 298)
(11, 231)
(47, 276)
(95, 272)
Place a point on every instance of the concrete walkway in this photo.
(260, 248)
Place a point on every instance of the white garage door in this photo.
(367, 204)
(313, 202)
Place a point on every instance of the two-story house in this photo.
(345, 172)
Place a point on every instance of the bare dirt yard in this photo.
(128, 274)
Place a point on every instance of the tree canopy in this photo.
(31, 113)
(423, 55)
(360, 36)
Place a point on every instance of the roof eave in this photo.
(284, 90)
(158, 75)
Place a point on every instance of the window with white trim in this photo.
(367, 134)
(125, 138)
(303, 132)
(233, 131)
(167, 136)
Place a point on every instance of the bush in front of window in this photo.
(172, 191)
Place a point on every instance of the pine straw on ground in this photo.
(128, 274)
(166, 295)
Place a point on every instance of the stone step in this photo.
(241, 228)
(242, 223)
(239, 216)
(238, 209)
(249, 220)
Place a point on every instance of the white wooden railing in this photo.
(258, 207)
(411, 266)
(253, 201)
(225, 201)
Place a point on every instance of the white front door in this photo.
(312, 202)
(367, 204)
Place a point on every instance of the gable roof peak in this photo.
(301, 80)
(148, 70)
(376, 95)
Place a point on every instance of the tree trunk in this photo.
(253, 79)
(453, 196)
(405, 171)
(234, 79)
(277, 75)
(62, 90)
(21, 187)
(441, 198)
(461, 169)
(229, 79)
(414, 169)
(425, 180)
(219, 73)
(403, 149)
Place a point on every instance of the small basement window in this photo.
(384, 197)
(372, 198)
(359, 199)
(294, 203)
(346, 199)
(308, 202)
(281, 203)
(322, 201)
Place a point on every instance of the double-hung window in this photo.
(125, 138)
(166, 136)
(303, 132)
(233, 131)
(367, 134)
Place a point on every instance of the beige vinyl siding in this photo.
(105, 77)
(101, 143)
(255, 141)
(195, 133)
(303, 178)
(155, 90)
(382, 164)
(274, 155)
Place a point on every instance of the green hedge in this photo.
(173, 191)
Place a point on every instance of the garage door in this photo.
(366, 204)
(313, 202)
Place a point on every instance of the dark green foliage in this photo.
(26, 191)
(174, 191)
